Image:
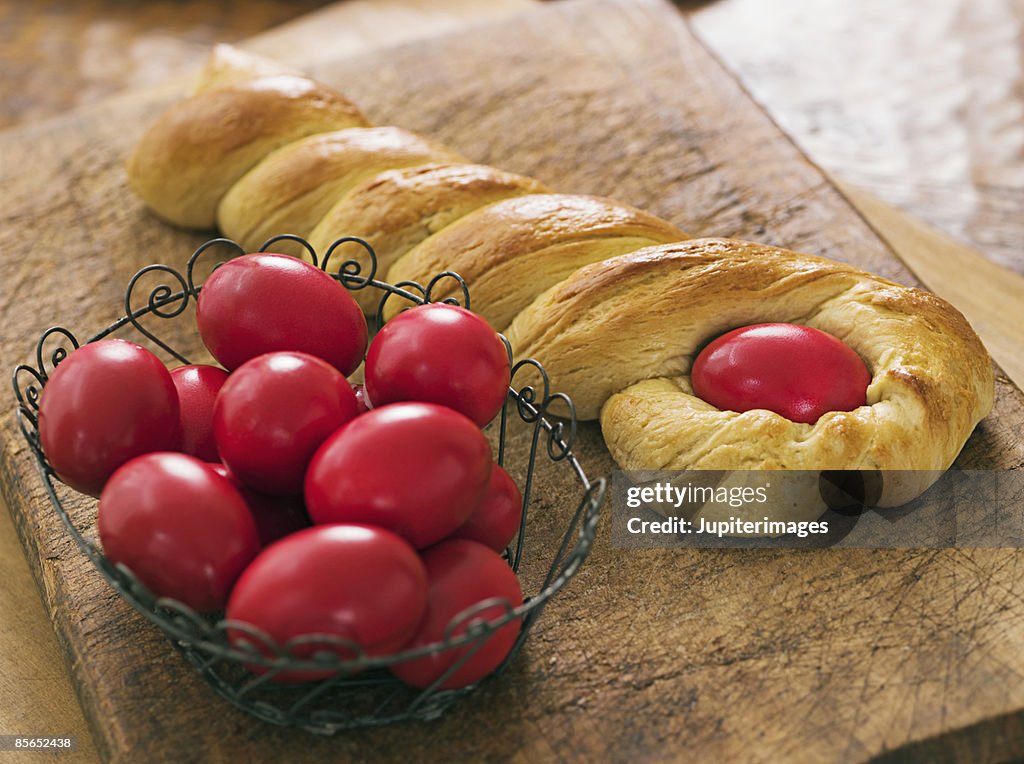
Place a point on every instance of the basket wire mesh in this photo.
(359, 692)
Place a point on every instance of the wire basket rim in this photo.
(202, 640)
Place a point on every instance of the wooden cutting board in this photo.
(659, 655)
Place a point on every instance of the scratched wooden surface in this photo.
(59, 54)
(918, 102)
(55, 56)
(818, 656)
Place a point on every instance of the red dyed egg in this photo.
(197, 388)
(796, 371)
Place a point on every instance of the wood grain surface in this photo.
(113, 47)
(36, 696)
(917, 102)
(653, 655)
(989, 295)
(63, 53)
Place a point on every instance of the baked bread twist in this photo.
(651, 311)
(260, 153)
(613, 301)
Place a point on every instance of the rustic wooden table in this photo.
(60, 55)
(56, 56)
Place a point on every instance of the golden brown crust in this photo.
(620, 320)
(397, 210)
(199, 148)
(645, 315)
(294, 187)
(511, 250)
(228, 65)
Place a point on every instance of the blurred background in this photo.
(920, 102)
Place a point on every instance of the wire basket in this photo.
(359, 691)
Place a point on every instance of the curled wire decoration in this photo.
(241, 662)
(212, 244)
(265, 246)
(543, 408)
(58, 354)
(164, 301)
(350, 271)
(526, 396)
(28, 386)
(562, 434)
(28, 381)
(440, 278)
(408, 290)
(471, 622)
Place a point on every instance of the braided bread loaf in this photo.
(652, 310)
(613, 301)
